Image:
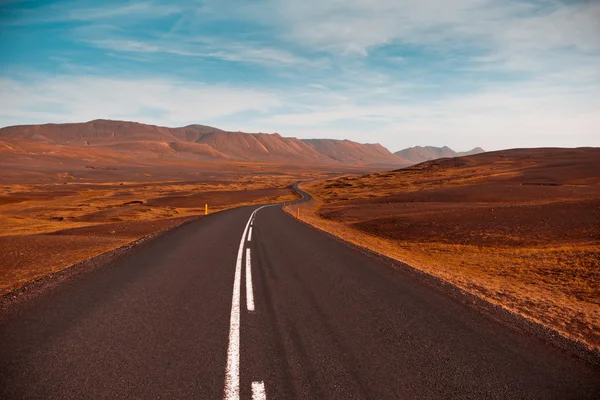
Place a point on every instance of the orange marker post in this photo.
(206, 209)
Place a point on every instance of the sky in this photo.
(463, 73)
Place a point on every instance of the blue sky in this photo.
(463, 73)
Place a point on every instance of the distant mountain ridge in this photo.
(420, 154)
(199, 142)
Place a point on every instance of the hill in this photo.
(517, 227)
(419, 154)
(356, 153)
(123, 138)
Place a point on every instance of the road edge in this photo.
(515, 321)
(47, 283)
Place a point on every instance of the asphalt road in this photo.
(176, 319)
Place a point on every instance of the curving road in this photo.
(254, 304)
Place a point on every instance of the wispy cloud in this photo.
(245, 52)
(530, 115)
(516, 35)
(133, 9)
(526, 115)
(494, 73)
(358, 25)
(23, 14)
(171, 102)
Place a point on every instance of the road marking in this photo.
(250, 234)
(258, 391)
(232, 371)
(249, 290)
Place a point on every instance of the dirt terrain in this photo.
(69, 192)
(49, 221)
(45, 228)
(520, 228)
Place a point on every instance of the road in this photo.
(252, 303)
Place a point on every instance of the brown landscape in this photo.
(45, 228)
(520, 228)
(70, 192)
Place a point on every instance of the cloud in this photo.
(132, 46)
(522, 115)
(206, 47)
(21, 13)
(503, 116)
(80, 98)
(133, 9)
(515, 34)
(492, 27)
(495, 73)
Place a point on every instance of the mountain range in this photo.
(196, 141)
(123, 138)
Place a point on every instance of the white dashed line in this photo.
(258, 391)
(232, 371)
(250, 234)
(249, 290)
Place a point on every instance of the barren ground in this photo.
(520, 228)
(53, 218)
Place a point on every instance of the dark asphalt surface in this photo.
(330, 323)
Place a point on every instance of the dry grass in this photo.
(60, 205)
(35, 209)
(46, 228)
(522, 233)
